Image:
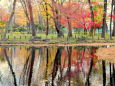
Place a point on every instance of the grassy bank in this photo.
(17, 37)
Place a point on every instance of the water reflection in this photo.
(54, 66)
(10, 66)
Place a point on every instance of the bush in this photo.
(39, 27)
(19, 29)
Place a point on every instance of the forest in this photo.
(57, 42)
(65, 20)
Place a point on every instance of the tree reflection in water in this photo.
(57, 63)
(104, 72)
(47, 57)
(10, 66)
(55, 66)
(28, 68)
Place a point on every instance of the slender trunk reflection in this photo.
(22, 78)
(89, 74)
(47, 57)
(111, 81)
(69, 65)
(26, 77)
(104, 73)
(91, 67)
(57, 63)
(11, 68)
(114, 74)
(30, 72)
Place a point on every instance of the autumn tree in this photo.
(69, 23)
(27, 6)
(76, 16)
(9, 21)
(31, 17)
(57, 17)
(3, 18)
(104, 19)
(45, 6)
(98, 15)
(67, 16)
(92, 16)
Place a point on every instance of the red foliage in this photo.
(5, 18)
(4, 15)
(70, 13)
(113, 16)
(78, 16)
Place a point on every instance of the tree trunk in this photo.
(69, 23)
(32, 25)
(113, 33)
(70, 33)
(9, 21)
(58, 27)
(104, 19)
(57, 19)
(47, 20)
(92, 17)
(70, 29)
(111, 19)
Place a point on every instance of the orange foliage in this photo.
(4, 15)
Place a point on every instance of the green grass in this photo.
(24, 37)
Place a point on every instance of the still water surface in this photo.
(54, 66)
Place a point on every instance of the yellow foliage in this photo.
(2, 25)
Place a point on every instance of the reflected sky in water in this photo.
(54, 66)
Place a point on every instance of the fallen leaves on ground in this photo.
(107, 54)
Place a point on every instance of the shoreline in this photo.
(54, 44)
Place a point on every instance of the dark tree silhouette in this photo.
(113, 33)
(104, 19)
(104, 73)
(57, 63)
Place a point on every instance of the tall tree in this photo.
(111, 19)
(27, 6)
(69, 23)
(47, 15)
(104, 19)
(113, 33)
(92, 16)
(32, 25)
(10, 19)
(57, 17)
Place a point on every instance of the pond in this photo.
(55, 66)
